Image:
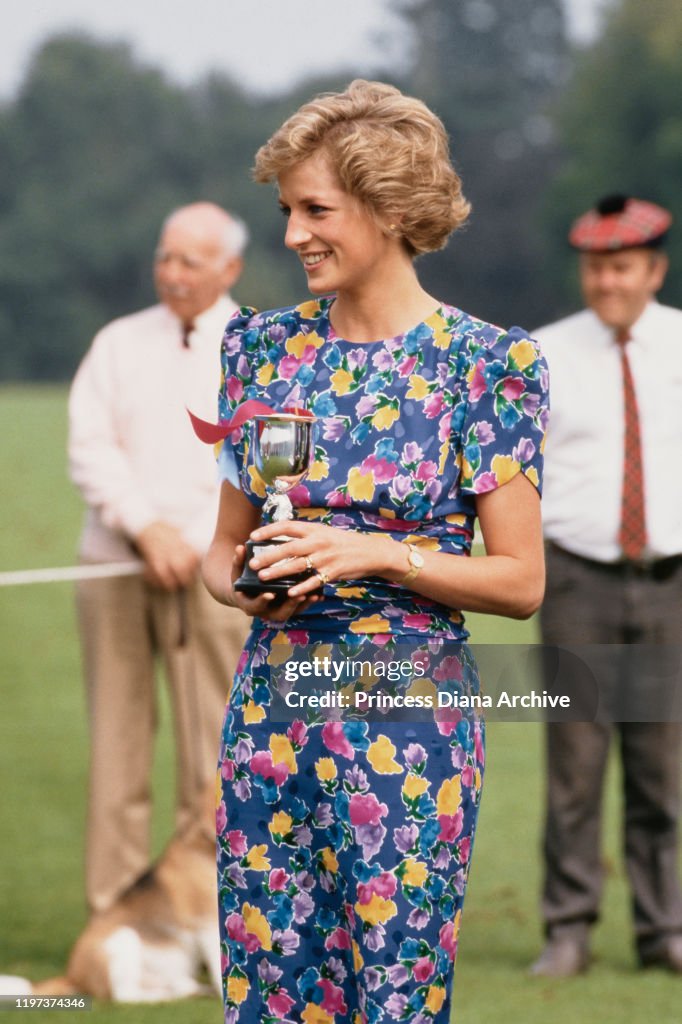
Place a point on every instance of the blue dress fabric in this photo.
(344, 841)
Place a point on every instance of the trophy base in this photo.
(249, 582)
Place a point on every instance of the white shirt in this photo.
(584, 453)
(132, 451)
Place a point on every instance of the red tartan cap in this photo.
(619, 222)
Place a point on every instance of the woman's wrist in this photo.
(395, 564)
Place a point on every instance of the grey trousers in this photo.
(126, 628)
(586, 603)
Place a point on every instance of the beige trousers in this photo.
(126, 626)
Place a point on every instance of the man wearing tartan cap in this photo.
(612, 509)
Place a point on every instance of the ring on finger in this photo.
(322, 577)
(309, 564)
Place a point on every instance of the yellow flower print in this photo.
(419, 387)
(237, 988)
(297, 345)
(256, 924)
(358, 962)
(443, 460)
(319, 470)
(370, 624)
(384, 418)
(326, 769)
(377, 911)
(386, 513)
(329, 860)
(532, 475)
(257, 485)
(466, 470)
(311, 513)
(435, 998)
(256, 859)
(314, 1014)
(218, 790)
(523, 353)
(425, 688)
(381, 756)
(281, 824)
(253, 713)
(360, 485)
(264, 375)
(456, 519)
(423, 543)
(350, 591)
(414, 786)
(415, 873)
(505, 468)
(442, 336)
(280, 650)
(449, 796)
(477, 780)
(307, 310)
(282, 751)
(341, 381)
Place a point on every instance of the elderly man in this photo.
(151, 493)
(611, 508)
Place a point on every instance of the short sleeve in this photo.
(501, 418)
(240, 342)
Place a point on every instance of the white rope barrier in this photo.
(70, 572)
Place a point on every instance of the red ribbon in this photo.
(212, 433)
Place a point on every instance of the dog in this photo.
(156, 941)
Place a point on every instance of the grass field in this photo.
(43, 753)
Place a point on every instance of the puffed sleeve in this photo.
(240, 342)
(501, 418)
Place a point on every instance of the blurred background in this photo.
(112, 114)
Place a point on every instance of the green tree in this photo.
(620, 125)
(490, 70)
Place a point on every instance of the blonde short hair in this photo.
(389, 151)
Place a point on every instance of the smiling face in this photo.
(618, 285)
(341, 246)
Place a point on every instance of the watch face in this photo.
(416, 559)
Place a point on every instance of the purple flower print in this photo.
(334, 428)
(268, 973)
(414, 755)
(396, 1005)
(242, 789)
(323, 815)
(302, 835)
(366, 406)
(288, 940)
(372, 979)
(405, 838)
(531, 403)
(397, 975)
(356, 778)
(485, 433)
(382, 360)
(236, 876)
(336, 969)
(243, 750)
(370, 838)
(418, 919)
(412, 452)
(305, 880)
(401, 486)
(357, 358)
(303, 906)
(375, 938)
(524, 451)
(442, 859)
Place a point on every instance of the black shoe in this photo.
(667, 955)
(561, 958)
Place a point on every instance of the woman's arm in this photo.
(224, 560)
(509, 580)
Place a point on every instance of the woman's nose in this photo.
(297, 234)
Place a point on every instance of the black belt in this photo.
(660, 569)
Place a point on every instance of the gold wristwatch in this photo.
(416, 560)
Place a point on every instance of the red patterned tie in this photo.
(632, 533)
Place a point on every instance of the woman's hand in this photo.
(333, 554)
(268, 605)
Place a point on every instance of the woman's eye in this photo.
(285, 211)
(314, 208)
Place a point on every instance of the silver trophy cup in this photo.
(282, 448)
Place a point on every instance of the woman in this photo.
(344, 845)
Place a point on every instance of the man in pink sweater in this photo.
(151, 491)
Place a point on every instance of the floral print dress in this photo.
(344, 843)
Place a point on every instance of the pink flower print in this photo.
(339, 939)
(241, 664)
(419, 620)
(298, 732)
(513, 388)
(450, 826)
(333, 1001)
(278, 879)
(478, 385)
(298, 636)
(433, 405)
(279, 1003)
(299, 496)
(467, 775)
(382, 469)
(484, 483)
(423, 969)
(235, 389)
(335, 499)
(447, 719)
(449, 668)
(335, 740)
(227, 771)
(365, 809)
(427, 471)
(464, 849)
(261, 764)
(288, 367)
(221, 818)
(384, 885)
(406, 367)
(478, 743)
(447, 940)
(237, 841)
